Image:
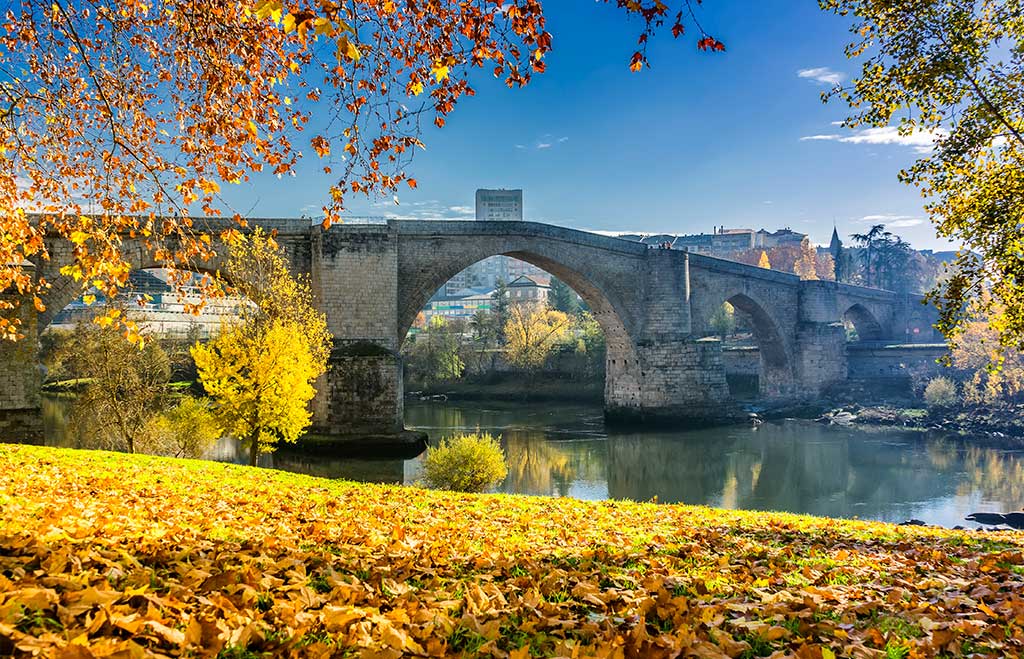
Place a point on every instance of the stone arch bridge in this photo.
(655, 306)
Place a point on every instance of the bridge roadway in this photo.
(654, 305)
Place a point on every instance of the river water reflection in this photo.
(793, 465)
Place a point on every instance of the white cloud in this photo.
(462, 210)
(893, 221)
(923, 141)
(545, 142)
(822, 74)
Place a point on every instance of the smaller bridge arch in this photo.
(768, 298)
(864, 323)
(776, 363)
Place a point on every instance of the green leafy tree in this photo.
(485, 332)
(562, 298)
(485, 328)
(500, 304)
(870, 242)
(889, 262)
(954, 71)
(434, 356)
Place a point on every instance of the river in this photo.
(793, 465)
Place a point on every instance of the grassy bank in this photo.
(103, 554)
(517, 388)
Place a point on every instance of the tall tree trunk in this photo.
(254, 449)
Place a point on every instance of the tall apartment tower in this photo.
(499, 205)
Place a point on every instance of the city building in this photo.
(516, 268)
(529, 290)
(482, 274)
(154, 303)
(722, 241)
(499, 205)
(463, 305)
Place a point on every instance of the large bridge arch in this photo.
(610, 313)
(604, 272)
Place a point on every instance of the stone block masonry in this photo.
(364, 394)
(20, 380)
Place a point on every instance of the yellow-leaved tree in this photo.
(995, 373)
(763, 262)
(260, 370)
(531, 333)
(261, 383)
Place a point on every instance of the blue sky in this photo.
(698, 140)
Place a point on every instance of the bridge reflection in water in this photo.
(796, 466)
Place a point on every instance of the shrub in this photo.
(187, 430)
(465, 463)
(940, 392)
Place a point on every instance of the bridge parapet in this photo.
(282, 225)
(470, 228)
(753, 272)
(865, 292)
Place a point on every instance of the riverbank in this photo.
(857, 403)
(1002, 425)
(514, 388)
(105, 553)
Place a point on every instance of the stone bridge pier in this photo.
(20, 380)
